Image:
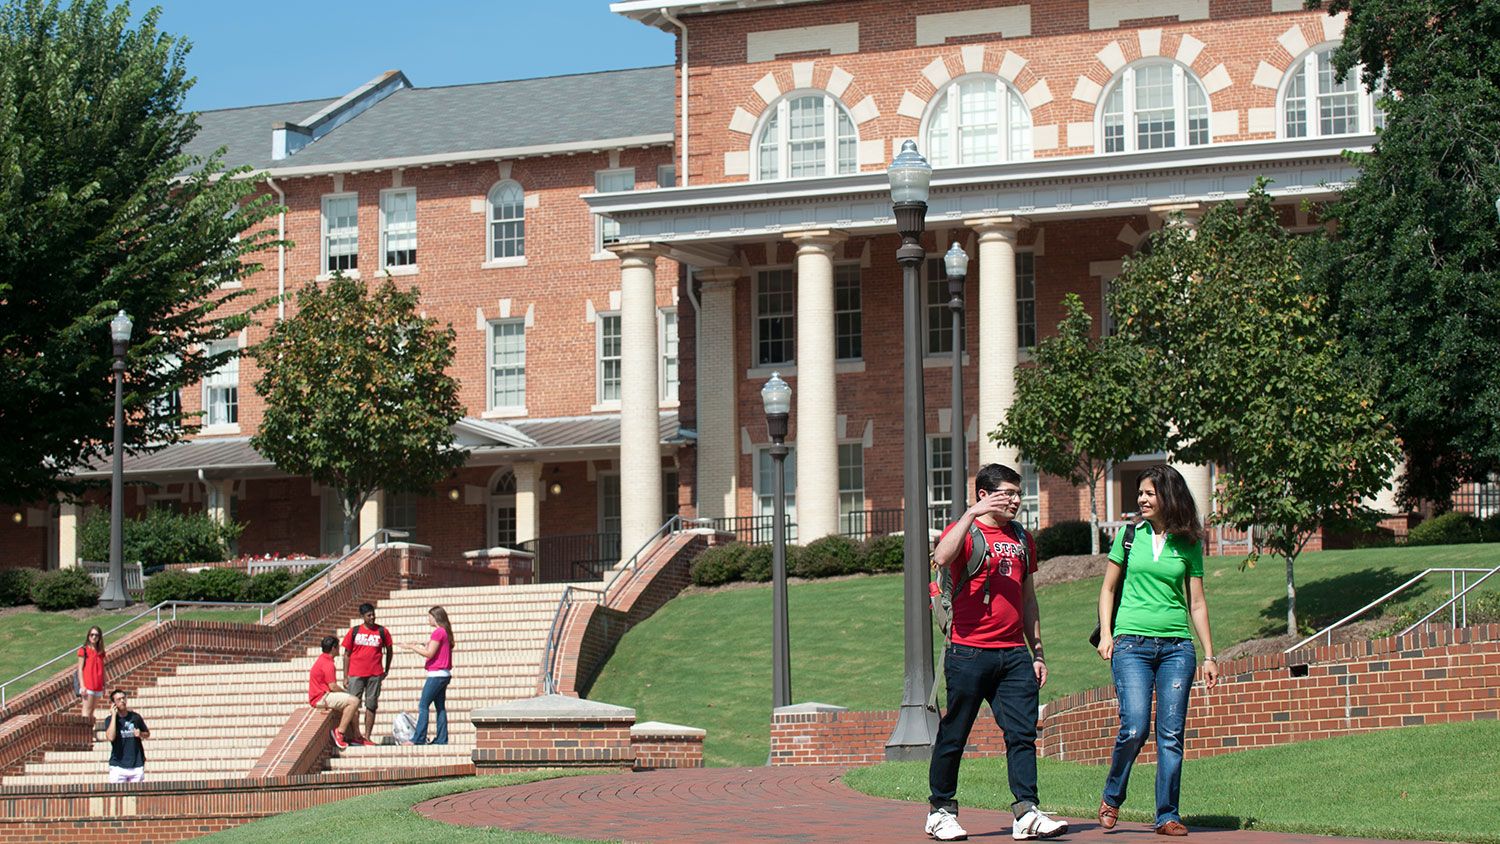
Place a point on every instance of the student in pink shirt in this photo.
(438, 651)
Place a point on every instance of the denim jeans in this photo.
(1004, 678)
(1141, 665)
(434, 693)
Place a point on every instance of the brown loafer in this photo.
(1172, 828)
(1108, 815)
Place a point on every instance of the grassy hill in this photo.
(704, 659)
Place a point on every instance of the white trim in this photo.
(781, 366)
(600, 402)
(469, 156)
(490, 220)
(401, 269)
(1308, 61)
(502, 263)
(336, 196)
(489, 368)
(1182, 78)
(1005, 90)
(782, 111)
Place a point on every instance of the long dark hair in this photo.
(440, 615)
(86, 644)
(1179, 513)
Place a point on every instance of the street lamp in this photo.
(115, 595)
(956, 261)
(915, 726)
(777, 396)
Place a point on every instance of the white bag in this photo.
(403, 726)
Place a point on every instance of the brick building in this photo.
(627, 256)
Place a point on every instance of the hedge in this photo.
(228, 585)
(16, 586)
(830, 556)
(1451, 529)
(65, 589)
(160, 537)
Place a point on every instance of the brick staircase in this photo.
(215, 721)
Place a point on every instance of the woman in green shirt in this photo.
(1149, 643)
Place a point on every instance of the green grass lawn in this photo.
(388, 816)
(704, 659)
(1434, 783)
(29, 638)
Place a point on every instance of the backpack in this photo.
(1119, 592)
(944, 587)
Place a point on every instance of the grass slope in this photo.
(704, 660)
(388, 816)
(1435, 782)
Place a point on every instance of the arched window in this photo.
(977, 120)
(806, 135)
(507, 221)
(1314, 104)
(1154, 105)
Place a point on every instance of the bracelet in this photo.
(1211, 659)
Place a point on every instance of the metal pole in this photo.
(960, 494)
(781, 654)
(916, 728)
(115, 595)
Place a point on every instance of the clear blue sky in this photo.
(280, 50)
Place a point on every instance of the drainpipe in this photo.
(280, 250)
(682, 178)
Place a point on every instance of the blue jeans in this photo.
(434, 693)
(1004, 678)
(1141, 665)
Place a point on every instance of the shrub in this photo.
(171, 586)
(15, 586)
(1062, 538)
(64, 589)
(757, 563)
(829, 556)
(220, 584)
(267, 586)
(719, 564)
(1492, 528)
(885, 553)
(161, 537)
(1447, 529)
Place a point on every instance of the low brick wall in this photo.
(816, 734)
(659, 745)
(301, 746)
(25, 738)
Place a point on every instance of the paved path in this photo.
(791, 804)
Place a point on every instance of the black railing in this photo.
(573, 557)
(751, 530)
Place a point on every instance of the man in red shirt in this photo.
(995, 617)
(363, 669)
(324, 692)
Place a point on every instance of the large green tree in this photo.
(1249, 369)
(1413, 268)
(357, 393)
(1082, 406)
(100, 210)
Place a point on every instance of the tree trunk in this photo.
(1093, 517)
(1291, 597)
(351, 522)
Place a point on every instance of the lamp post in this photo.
(915, 726)
(956, 261)
(777, 396)
(115, 595)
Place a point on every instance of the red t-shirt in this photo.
(364, 646)
(998, 624)
(322, 677)
(93, 669)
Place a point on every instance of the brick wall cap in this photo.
(485, 553)
(407, 546)
(808, 708)
(659, 728)
(554, 708)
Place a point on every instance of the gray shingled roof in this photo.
(460, 118)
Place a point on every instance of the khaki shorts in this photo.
(367, 688)
(337, 700)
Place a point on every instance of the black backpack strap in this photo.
(1025, 542)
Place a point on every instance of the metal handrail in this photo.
(1453, 574)
(274, 606)
(670, 526)
(1452, 603)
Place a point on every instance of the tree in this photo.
(100, 210)
(1082, 406)
(1412, 270)
(357, 393)
(1253, 375)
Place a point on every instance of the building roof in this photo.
(487, 117)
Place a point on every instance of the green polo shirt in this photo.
(1153, 602)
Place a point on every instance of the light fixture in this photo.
(909, 174)
(555, 489)
(17, 517)
(119, 327)
(453, 494)
(956, 261)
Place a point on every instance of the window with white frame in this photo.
(939, 315)
(507, 221)
(939, 479)
(775, 317)
(609, 503)
(667, 342)
(166, 408)
(1315, 104)
(607, 231)
(1030, 515)
(607, 370)
(1025, 300)
(1155, 104)
(401, 513)
(852, 489)
(765, 488)
(806, 135)
(507, 367)
(848, 318)
(221, 388)
(398, 227)
(666, 176)
(977, 120)
(340, 233)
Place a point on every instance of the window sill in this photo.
(232, 285)
(605, 407)
(329, 276)
(787, 370)
(1025, 354)
(404, 269)
(603, 256)
(502, 263)
(942, 361)
(219, 430)
(847, 367)
(504, 413)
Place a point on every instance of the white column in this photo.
(371, 515)
(217, 506)
(718, 425)
(640, 435)
(1198, 477)
(999, 332)
(528, 499)
(816, 415)
(67, 535)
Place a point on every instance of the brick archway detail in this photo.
(810, 75)
(969, 60)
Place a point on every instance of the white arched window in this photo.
(977, 120)
(507, 221)
(1153, 105)
(806, 135)
(1314, 104)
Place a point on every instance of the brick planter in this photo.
(659, 745)
(552, 731)
(510, 567)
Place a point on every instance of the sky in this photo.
(284, 50)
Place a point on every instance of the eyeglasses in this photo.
(1008, 494)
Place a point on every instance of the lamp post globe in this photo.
(776, 395)
(115, 595)
(956, 262)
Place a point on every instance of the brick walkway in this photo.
(791, 804)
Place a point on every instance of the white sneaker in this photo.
(1037, 824)
(943, 825)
